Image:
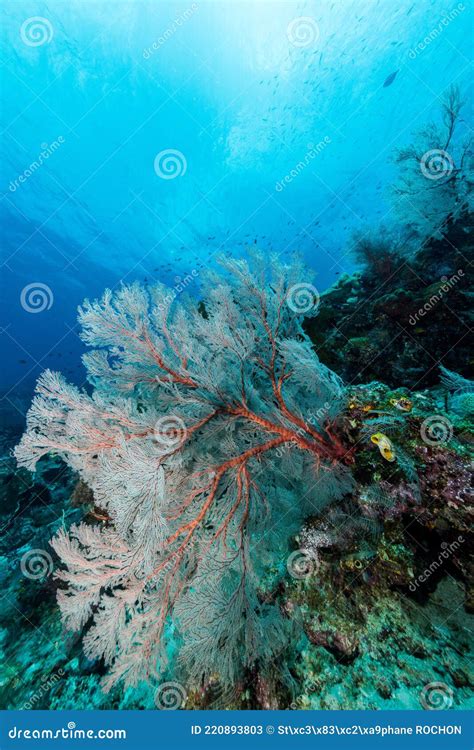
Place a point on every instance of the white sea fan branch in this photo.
(207, 425)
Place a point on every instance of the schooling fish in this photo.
(390, 79)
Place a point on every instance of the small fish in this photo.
(404, 404)
(384, 445)
(388, 81)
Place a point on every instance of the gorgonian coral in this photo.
(211, 432)
(435, 180)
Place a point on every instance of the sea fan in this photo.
(435, 173)
(461, 392)
(210, 434)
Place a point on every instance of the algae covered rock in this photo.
(412, 312)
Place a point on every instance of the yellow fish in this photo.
(384, 445)
(404, 404)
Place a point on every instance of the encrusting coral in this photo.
(208, 438)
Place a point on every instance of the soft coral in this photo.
(179, 445)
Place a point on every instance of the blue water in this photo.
(116, 83)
